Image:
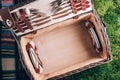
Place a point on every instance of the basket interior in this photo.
(63, 47)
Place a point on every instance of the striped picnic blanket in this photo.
(10, 66)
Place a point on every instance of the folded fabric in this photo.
(11, 67)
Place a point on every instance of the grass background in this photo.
(109, 12)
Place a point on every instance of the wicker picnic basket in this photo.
(57, 38)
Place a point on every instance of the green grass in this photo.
(109, 12)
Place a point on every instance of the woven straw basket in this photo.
(55, 42)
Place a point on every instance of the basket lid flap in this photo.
(42, 13)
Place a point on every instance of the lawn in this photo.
(109, 12)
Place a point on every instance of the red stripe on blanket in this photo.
(6, 1)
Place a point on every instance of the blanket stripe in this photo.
(6, 3)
